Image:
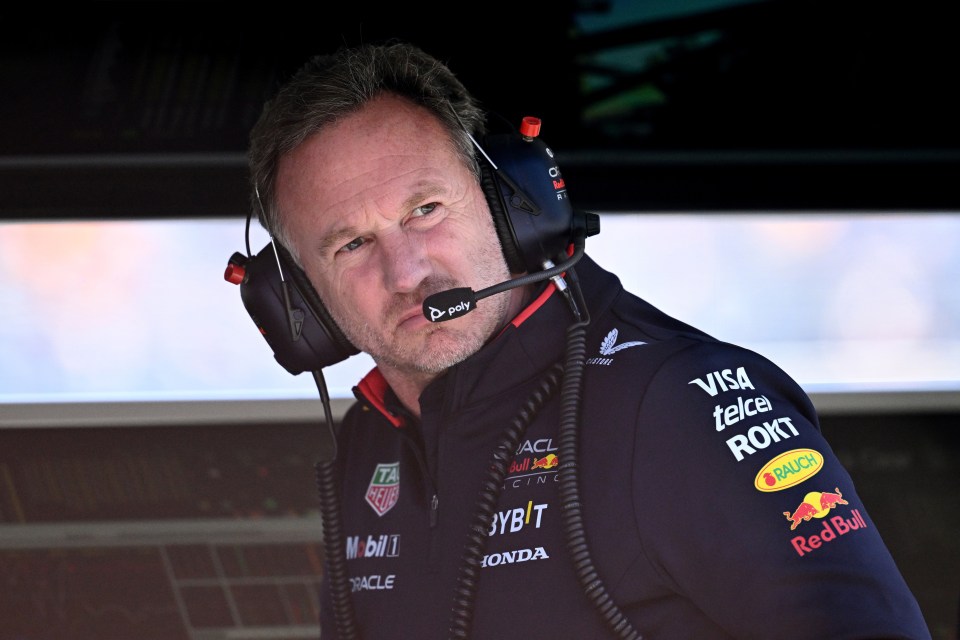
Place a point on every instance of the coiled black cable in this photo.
(335, 555)
(467, 581)
(569, 478)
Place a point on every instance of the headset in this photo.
(533, 217)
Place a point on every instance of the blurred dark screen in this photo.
(713, 93)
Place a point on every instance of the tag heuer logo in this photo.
(384, 487)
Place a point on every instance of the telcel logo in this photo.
(788, 469)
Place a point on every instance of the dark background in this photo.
(141, 110)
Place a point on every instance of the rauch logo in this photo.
(788, 470)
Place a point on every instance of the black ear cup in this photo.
(501, 222)
(528, 200)
(289, 313)
(312, 298)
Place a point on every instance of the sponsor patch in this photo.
(609, 347)
(831, 530)
(383, 546)
(724, 416)
(724, 380)
(548, 461)
(788, 469)
(513, 520)
(760, 437)
(384, 488)
(512, 557)
(526, 480)
(539, 446)
(375, 582)
(533, 470)
(533, 463)
(816, 504)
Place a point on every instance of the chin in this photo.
(437, 352)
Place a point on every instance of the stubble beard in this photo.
(436, 348)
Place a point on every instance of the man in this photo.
(563, 460)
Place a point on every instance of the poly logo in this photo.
(384, 488)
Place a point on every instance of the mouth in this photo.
(411, 307)
(411, 317)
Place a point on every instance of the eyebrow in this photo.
(336, 238)
(342, 235)
(425, 193)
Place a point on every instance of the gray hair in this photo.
(331, 86)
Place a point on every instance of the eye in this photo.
(353, 245)
(425, 209)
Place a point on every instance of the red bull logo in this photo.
(532, 471)
(816, 504)
(549, 461)
(832, 529)
(534, 463)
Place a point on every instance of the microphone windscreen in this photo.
(449, 304)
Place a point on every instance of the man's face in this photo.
(383, 213)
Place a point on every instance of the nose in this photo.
(404, 261)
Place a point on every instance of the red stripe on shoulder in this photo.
(374, 389)
(536, 304)
(533, 306)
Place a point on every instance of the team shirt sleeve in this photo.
(762, 527)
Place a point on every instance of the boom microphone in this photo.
(449, 304)
(454, 303)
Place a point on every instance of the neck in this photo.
(408, 386)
